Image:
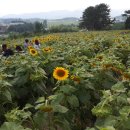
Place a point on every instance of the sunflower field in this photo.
(75, 81)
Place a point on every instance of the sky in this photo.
(33, 6)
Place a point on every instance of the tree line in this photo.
(36, 27)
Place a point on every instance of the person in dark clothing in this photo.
(18, 48)
(6, 52)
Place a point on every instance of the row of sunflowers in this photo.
(75, 81)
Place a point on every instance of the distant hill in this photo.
(65, 21)
(50, 22)
(120, 18)
(47, 15)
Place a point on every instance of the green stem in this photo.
(49, 121)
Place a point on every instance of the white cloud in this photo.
(30, 6)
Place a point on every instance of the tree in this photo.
(102, 13)
(45, 23)
(88, 18)
(44, 26)
(127, 23)
(96, 18)
(127, 16)
(38, 27)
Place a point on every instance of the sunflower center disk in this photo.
(33, 51)
(60, 73)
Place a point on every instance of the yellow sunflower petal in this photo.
(33, 52)
(60, 73)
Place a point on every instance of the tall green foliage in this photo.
(36, 27)
(88, 18)
(96, 18)
(20, 28)
(127, 22)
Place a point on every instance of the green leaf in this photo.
(122, 99)
(90, 129)
(126, 124)
(62, 123)
(6, 84)
(7, 94)
(28, 106)
(106, 128)
(16, 115)
(102, 111)
(56, 99)
(12, 126)
(40, 119)
(73, 101)
(20, 80)
(67, 89)
(108, 121)
(84, 96)
(59, 108)
(40, 99)
(119, 87)
(125, 112)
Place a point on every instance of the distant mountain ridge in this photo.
(59, 14)
(120, 18)
(47, 15)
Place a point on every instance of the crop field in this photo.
(63, 22)
(75, 81)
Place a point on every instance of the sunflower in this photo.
(116, 70)
(7, 62)
(126, 76)
(30, 47)
(60, 73)
(33, 52)
(75, 78)
(47, 49)
(107, 66)
(99, 57)
(47, 108)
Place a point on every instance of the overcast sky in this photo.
(31, 6)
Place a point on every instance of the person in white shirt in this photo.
(37, 44)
